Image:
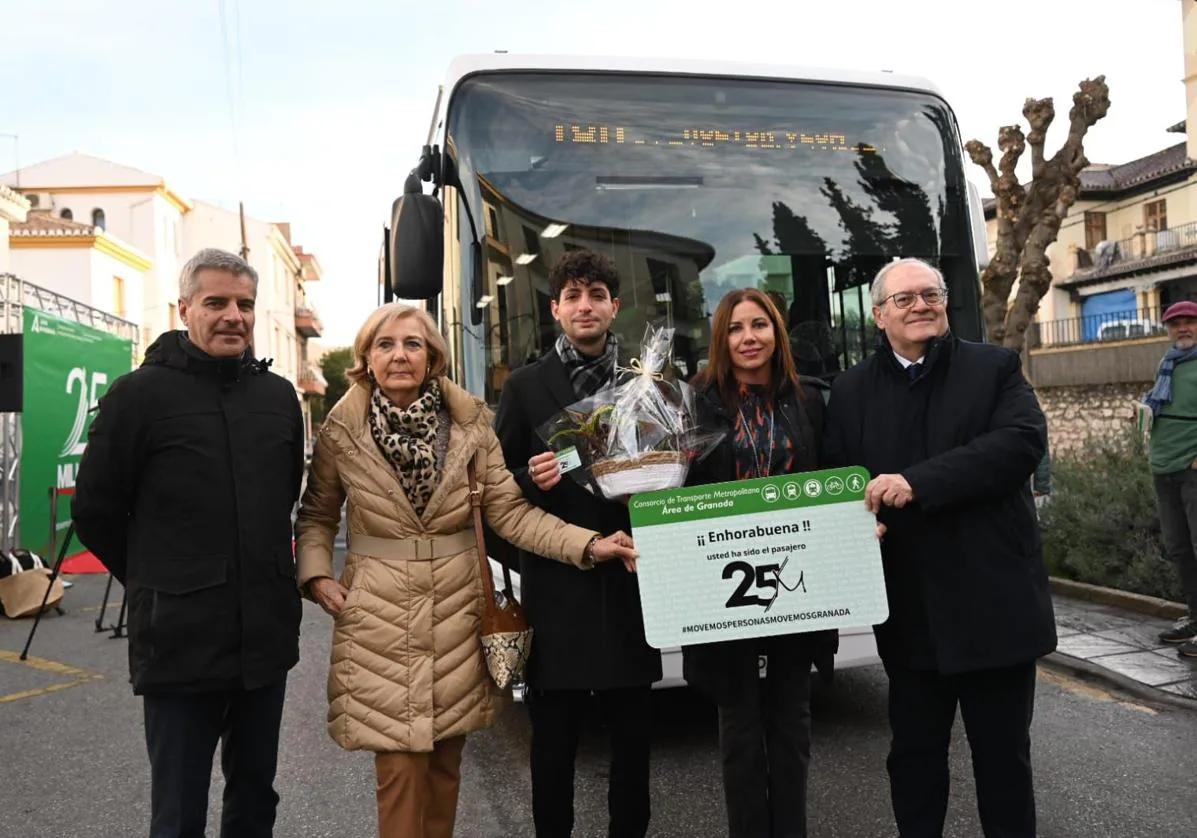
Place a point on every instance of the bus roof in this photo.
(465, 65)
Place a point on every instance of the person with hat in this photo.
(1173, 457)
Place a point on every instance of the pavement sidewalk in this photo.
(1122, 646)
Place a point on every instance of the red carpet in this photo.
(84, 562)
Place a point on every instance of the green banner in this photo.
(67, 367)
(764, 494)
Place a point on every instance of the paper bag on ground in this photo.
(21, 593)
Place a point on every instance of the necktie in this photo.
(913, 370)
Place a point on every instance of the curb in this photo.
(1141, 603)
(1087, 670)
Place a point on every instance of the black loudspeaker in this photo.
(11, 365)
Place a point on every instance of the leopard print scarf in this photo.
(407, 438)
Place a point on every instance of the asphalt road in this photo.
(72, 758)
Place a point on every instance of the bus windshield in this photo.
(696, 186)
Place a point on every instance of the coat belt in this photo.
(415, 548)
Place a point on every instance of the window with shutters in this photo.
(1155, 216)
(1095, 229)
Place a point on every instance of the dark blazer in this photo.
(588, 628)
(185, 492)
(721, 670)
(963, 564)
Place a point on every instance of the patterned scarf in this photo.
(760, 443)
(407, 438)
(1161, 394)
(587, 374)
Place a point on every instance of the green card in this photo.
(752, 558)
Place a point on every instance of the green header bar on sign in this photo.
(741, 497)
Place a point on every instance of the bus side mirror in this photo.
(417, 246)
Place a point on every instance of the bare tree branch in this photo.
(1029, 217)
(1039, 114)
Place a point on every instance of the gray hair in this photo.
(877, 290)
(212, 259)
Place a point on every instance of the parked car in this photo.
(1125, 329)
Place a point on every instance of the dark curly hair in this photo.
(583, 266)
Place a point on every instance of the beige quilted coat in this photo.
(407, 667)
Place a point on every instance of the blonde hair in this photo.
(383, 316)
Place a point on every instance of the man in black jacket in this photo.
(185, 492)
(951, 432)
(588, 632)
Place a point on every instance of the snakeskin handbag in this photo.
(506, 635)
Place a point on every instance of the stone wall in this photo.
(1076, 413)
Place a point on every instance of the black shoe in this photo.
(1188, 649)
(1180, 633)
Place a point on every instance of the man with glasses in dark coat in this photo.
(952, 432)
(185, 492)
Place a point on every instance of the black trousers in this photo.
(557, 717)
(764, 744)
(1176, 496)
(181, 732)
(996, 706)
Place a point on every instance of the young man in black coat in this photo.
(588, 632)
(185, 492)
(951, 432)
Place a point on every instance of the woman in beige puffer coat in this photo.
(408, 679)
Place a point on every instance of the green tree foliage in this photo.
(1101, 525)
(333, 366)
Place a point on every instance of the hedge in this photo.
(1101, 525)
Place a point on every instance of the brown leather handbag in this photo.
(506, 635)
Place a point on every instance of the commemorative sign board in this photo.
(68, 366)
(753, 558)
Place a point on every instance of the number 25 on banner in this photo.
(77, 379)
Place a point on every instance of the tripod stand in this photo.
(53, 575)
(118, 630)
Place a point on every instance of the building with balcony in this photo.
(308, 327)
(115, 237)
(1125, 252)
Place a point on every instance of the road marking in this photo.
(1086, 689)
(77, 676)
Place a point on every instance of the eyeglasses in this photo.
(905, 299)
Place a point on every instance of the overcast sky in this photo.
(332, 100)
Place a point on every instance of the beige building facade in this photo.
(116, 237)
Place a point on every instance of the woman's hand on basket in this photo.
(329, 594)
(618, 545)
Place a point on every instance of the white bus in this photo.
(696, 177)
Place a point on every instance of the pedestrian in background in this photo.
(408, 679)
(185, 491)
(589, 646)
(951, 431)
(1173, 457)
(773, 424)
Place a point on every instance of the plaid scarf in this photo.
(407, 438)
(587, 374)
(1161, 394)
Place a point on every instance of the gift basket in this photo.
(637, 434)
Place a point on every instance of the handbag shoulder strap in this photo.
(488, 579)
